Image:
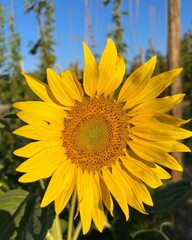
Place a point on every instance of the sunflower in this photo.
(106, 139)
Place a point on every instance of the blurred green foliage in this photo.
(45, 44)
(118, 31)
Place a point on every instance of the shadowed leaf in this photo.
(22, 218)
(168, 199)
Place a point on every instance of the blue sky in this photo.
(147, 19)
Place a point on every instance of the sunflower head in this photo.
(88, 139)
(95, 133)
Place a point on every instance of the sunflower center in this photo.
(95, 133)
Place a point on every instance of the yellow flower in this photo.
(98, 144)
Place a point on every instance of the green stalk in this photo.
(42, 184)
(55, 230)
(76, 231)
(71, 217)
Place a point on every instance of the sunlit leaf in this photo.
(22, 218)
(2, 125)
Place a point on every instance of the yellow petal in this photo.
(158, 83)
(117, 76)
(132, 199)
(116, 190)
(32, 120)
(106, 196)
(32, 177)
(137, 81)
(68, 189)
(34, 133)
(160, 132)
(139, 189)
(166, 146)
(141, 170)
(91, 72)
(37, 105)
(97, 211)
(160, 105)
(72, 85)
(34, 147)
(40, 89)
(38, 112)
(157, 117)
(39, 121)
(60, 181)
(58, 88)
(107, 65)
(85, 198)
(154, 88)
(168, 119)
(45, 161)
(160, 172)
(155, 155)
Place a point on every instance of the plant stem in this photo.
(56, 229)
(42, 184)
(71, 216)
(76, 231)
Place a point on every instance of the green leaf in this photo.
(169, 198)
(42, 4)
(125, 13)
(3, 185)
(105, 2)
(37, 222)
(22, 218)
(10, 115)
(2, 125)
(35, 47)
(10, 207)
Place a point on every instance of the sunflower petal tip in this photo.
(15, 152)
(15, 104)
(179, 168)
(111, 212)
(14, 132)
(57, 208)
(48, 70)
(176, 72)
(127, 217)
(85, 47)
(126, 213)
(44, 204)
(23, 73)
(153, 59)
(22, 179)
(110, 41)
(18, 169)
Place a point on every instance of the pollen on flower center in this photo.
(95, 133)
